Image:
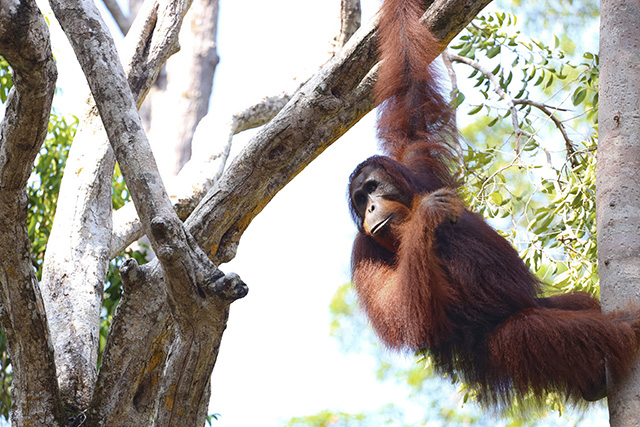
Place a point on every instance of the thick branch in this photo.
(181, 259)
(197, 291)
(201, 172)
(75, 268)
(25, 44)
(127, 389)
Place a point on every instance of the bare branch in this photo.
(446, 59)
(501, 93)
(123, 22)
(186, 84)
(547, 110)
(350, 20)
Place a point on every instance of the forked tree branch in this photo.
(318, 114)
(196, 290)
(74, 273)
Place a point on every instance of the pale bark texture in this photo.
(350, 19)
(166, 332)
(182, 90)
(618, 192)
(78, 252)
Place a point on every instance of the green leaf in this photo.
(493, 52)
(578, 96)
(476, 109)
(459, 99)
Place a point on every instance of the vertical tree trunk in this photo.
(180, 96)
(618, 189)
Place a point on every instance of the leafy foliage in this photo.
(6, 82)
(387, 416)
(538, 178)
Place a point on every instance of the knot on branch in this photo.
(329, 103)
(230, 287)
(163, 232)
(227, 249)
(131, 274)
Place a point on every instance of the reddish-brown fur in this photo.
(454, 286)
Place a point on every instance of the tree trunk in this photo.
(180, 97)
(34, 391)
(618, 193)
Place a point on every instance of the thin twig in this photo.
(446, 59)
(124, 22)
(546, 109)
(511, 102)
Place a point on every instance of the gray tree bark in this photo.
(618, 193)
(181, 93)
(78, 252)
(34, 390)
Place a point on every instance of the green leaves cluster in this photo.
(524, 67)
(536, 186)
(565, 229)
(44, 185)
(6, 82)
(387, 416)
